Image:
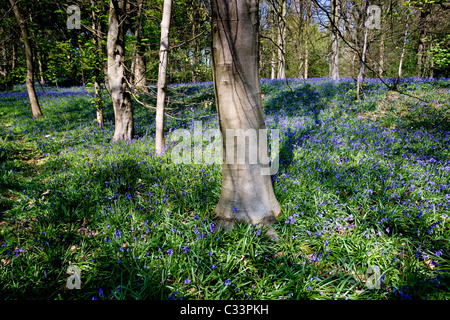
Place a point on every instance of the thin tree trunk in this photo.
(274, 64)
(162, 77)
(405, 38)
(334, 58)
(429, 59)
(362, 68)
(420, 51)
(41, 70)
(306, 39)
(195, 60)
(381, 65)
(421, 47)
(301, 27)
(139, 61)
(281, 73)
(35, 108)
(4, 67)
(120, 95)
(13, 60)
(273, 73)
(246, 194)
(98, 65)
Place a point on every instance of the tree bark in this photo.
(334, 57)
(362, 68)
(162, 77)
(98, 65)
(4, 65)
(246, 194)
(301, 27)
(402, 55)
(306, 39)
(139, 61)
(282, 11)
(381, 65)
(120, 95)
(273, 62)
(421, 47)
(35, 107)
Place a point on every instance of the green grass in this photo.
(361, 183)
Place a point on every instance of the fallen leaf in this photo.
(430, 264)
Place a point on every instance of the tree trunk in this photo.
(381, 65)
(120, 95)
(301, 28)
(273, 73)
(246, 194)
(334, 57)
(402, 56)
(41, 70)
(430, 55)
(429, 59)
(35, 108)
(4, 66)
(306, 39)
(195, 52)
(139, 61)
(420, 51)
(363, 55)
(281, 73)
(140, 78)
(98, 65)
(14, 57)
(162, 77)
(421, 47)
(273, 63)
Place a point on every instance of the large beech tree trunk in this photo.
(120, 95)
(246, 194)
(35, 108)
(162, 77)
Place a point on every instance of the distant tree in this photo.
(96, 58)
(362, 67)
(139, 67)
(35, 107)
(118, 83)
(334, 55)
(279, 12)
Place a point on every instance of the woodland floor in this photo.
(361, 183)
